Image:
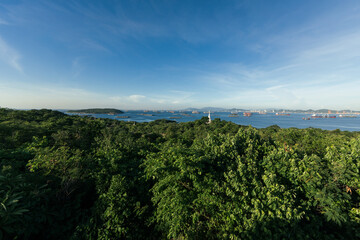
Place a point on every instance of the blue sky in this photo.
(178, 54)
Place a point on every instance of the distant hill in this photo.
(97, 111)
(319, 111)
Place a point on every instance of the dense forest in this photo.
(72, 177)
(97, 111)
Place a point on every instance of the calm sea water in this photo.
(256, 120)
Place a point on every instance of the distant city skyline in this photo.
(179, 54)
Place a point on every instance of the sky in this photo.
(176, 54)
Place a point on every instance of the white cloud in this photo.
(136, 98)
(9, 55)
(129, 99)
(164, 101)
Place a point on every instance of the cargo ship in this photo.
(347, 116)
(316, 116)
(322, 116)
(247, 114)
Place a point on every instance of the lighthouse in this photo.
(209, 117)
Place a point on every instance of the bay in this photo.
(256, 120)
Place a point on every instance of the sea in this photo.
(256, 120)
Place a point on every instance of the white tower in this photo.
(209, 117)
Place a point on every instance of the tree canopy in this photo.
(71, 177)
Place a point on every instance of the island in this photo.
(110, 111)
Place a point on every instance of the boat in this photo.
(282, 114)
(195, 112)
(233, 115)
(316, 116)
(305, 118)
(322, 116)
(247, 114)
(347, 116)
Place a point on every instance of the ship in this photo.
(247, 114)
(322, 116)
(316, 116)
(347, 116)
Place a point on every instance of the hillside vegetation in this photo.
(97, 111)
(71, 177)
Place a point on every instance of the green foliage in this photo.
(97, 111)
(190, 182)
(68, 177)
(11, 207)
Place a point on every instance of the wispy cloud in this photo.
(9, 55)
(77, 66)
(3, 22)
(117, 22)
(91, 44)
(164, 54)
(311, 66)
